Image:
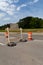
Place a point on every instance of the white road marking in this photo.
(2, 44)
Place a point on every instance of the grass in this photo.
(25, 30)
(32, 30)
(2, 30)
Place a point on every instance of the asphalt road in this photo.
(37, 37)
(24, 53)
(27, 53)
(16, 37)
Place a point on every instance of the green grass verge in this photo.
(25, 30)
(2, 30)
(32, 30)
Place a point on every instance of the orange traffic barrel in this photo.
(29, 35)
(6, 34)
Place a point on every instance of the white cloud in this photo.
(2, 15)
(4, 4)
(10, 1)
(23, 5)
(16, 1)
(6, 18)
(6, 7)
(11, 9)
(35, 1)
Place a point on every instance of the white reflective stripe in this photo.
(29, 36)
(2, 44)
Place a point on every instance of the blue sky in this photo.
(11, 11)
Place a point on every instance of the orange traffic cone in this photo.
(6, 34)
(29, 35)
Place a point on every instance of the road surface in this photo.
(24, 53)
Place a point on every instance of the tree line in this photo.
(4, 26)
(31, 22)
(27, 23)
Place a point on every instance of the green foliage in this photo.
(31, 22)
(27, 23)
(4, 26)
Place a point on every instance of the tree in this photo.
(31, 22)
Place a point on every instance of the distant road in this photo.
(38, 36)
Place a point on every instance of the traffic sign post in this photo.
(21, 33)
(8, 34)
(10, 43)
